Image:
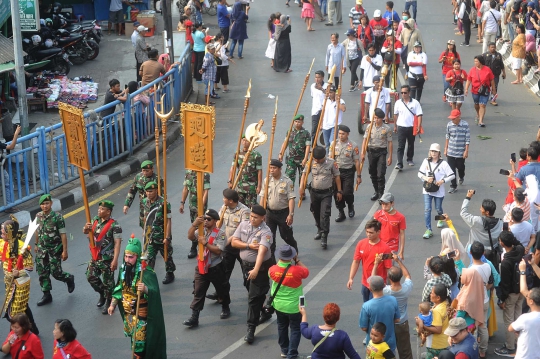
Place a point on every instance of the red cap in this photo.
(208, 38)
(455, 114)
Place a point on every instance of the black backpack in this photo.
(457, 88)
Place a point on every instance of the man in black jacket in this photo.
(494, 61)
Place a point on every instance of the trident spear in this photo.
(338, 93)
(274, 120)
(246, 105)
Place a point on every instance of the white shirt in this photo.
(318, 99)
(405, 117)
(414, 57)
(369, 71)
(442, 172)
(134, 38)
(492, 18)
(223, 56)
(371, 97)
(329, 119)
(485, 272)
(528, 343)
(523, 231)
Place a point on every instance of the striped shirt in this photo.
(355, 15)
(458, 137)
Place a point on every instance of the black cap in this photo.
(276, 163)
(376, 78)
(319, 152)
(212, 213)
(379, 113)
(344, 128)
(258, 209)
(332, 88)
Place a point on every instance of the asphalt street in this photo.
(511, 125)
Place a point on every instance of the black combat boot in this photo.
(169, 278)
(106, 307)
(193, 321)
(250, 336)
(193, 251)
(46, 299)
(318, 235)
(264, 316)
(71, 283)
(351, 211)
(375, 196)
(341, 216)
(225, 312)
(101, 300)
(212, 296)
(324, 239)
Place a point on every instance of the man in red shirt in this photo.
(365, 252)
(393, 225)
(379, 26)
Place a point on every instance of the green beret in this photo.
(45, 197)
(147, 165)
(150, 185)
(106, 203)
(134, 246)
(299, 118)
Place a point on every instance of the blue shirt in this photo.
(335, 55)
(385, 310)
(532, 168)
(223, 16)
(467, 346)
(402, 297)
(198, 41)
(458, 136)
(391, 16)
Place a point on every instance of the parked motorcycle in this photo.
(93, 29)
(73, 46)
(58, 59)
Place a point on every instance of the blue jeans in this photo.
(366, 293)
(479, 99)
(324, 7)
(511, 33)
(427, 208)
(206, 87)
(445, 84)
(289, 345)
(198, 16)
(7, 186)
(240, 47)
(328, 136)
(408, 4)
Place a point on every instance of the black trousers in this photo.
(377, 167)
(417, 86)
(354, 67)
(258, 288)
(230, 256)
(405, 134)
(199, 57)
(347, 187)
(225, 33)
(466, 28)
(336, 79)
(459, 164)
(314, 123)
(216, 276)
(223, 75)
(321, 207)
(275, 220)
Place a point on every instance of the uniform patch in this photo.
(268, 238)
(356, 150)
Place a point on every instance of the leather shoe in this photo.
(192, 253)
(191, 322)
(169, 278)
(341, 217)
(71, 283)
(46, 299)
(351, 212)
(212, 296)
(105, 310)
(250, 336)
(101, 300)
(225, 313)
(324, 239)
(318, 236)
(375, 196)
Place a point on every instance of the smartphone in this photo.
(387, 256)
(504, 172)
(451, 254)
(505, 226)
(527, 257)
(513, 157)
(302, 301)
(440, 218)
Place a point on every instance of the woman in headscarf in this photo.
(238, 29)
(271, 48)
(450, 240)
(470, 300)
(282, 56)
(408, 37)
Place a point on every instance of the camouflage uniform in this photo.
(298, 141)
(139, 182)
(247, 185)
(190, 181)
(49, 249)
(102, 266)
(156, 238)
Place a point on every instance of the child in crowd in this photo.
(425, 316)
(308, 13)
(377, 348)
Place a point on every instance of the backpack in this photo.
(457, 88)
(516, 278)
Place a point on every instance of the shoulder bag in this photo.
(268, 308)
(323, 339)
(19, 351)
(493, 256)
(415, 121)
(432, 186)
(483, 90)
(404, 49)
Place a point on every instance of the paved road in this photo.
(510, 126)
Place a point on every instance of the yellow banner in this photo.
(75, 130)
(199, 131)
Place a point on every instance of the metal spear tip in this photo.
(384, 71)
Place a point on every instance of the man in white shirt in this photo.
(370, 66)
(329, 116)
(528, 343)
(136, 24)
(317, 93)
(371, 96)
(404, 112)
(491, 20)
(522, 230)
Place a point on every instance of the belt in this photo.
(376, 149)
(278, 211)
(315, 190)
(352, 169)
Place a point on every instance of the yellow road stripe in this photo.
(97, 200)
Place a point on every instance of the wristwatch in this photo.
(522, 272)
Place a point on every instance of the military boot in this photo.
(71, 283)
(318, 235)
(101, 300)
(106, 306)
(193, 251)
(351, 211)
(193, 321)
(46, 299)
(324, 239)
(341, 216)
(250, 336)
(169, 278)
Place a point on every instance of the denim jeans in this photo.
(240, 47)
(328, 136)
(427, 207)
(445, 84)
(366, 293)
(414, 4)
(324, 7)
(289, 345)
(206, 87)
(511, 31)
(198, 16)
(7, 186)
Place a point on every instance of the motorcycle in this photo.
(94, 30)
(92, 47)
(58, 59)
(73, 46)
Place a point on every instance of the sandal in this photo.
(214, 96)
(289, 70)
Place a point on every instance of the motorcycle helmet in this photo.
(48, 22)
(42, 22)
(48, 43)
(57, 7)
(62, 33)
(36, 39)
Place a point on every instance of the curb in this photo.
(94, 185)
(530, 79)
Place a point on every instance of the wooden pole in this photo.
(246, 106)
(338, 92)
(200, 209)
(274, 120)
(286, 141)
(208, 95)
(86, 206)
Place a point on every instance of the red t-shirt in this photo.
(365, 252)
(392, 224)
(74, 349)
(379, 27)
(479, 77)
(456, 75)
(448, 63)
(30, 350)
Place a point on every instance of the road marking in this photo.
(97, 200)
(312, 283)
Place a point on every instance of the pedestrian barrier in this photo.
(39, 162)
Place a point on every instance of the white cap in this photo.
(435, 147)
(142, 28)
(377, 13)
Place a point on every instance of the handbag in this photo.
(323, 339)
(268, 308)
(432, 186)
(404, 51)
(483, 90)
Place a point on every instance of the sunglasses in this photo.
(208, 219)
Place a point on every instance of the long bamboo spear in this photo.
(246, 106)
(338, 100)
(274, 120)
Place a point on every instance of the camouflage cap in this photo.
(107, 204)
(45, 197)
(147, 165)
(151, 185)
(299, 118)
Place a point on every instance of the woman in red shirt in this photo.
(447, 60)
(364, 33)
(21, 343)
(456, 79)
(483, 82)
(65, 344)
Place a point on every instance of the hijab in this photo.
(164, 60)
(471, 296)
(450, 240)
(283, 25)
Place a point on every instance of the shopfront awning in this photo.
(10, 66)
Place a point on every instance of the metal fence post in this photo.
(43, 163)
(128, 125)
(177, 89)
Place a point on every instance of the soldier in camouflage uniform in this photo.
(250, 182)
(157, 240)
(107, 239)
(299, 144)
(139, 182)
(190, 187)
(51, 249)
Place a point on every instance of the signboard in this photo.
(75, 130)
(5, 11)
(29, 10)
(199, 131)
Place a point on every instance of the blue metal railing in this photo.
(42, 165)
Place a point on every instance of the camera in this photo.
(387, 256)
